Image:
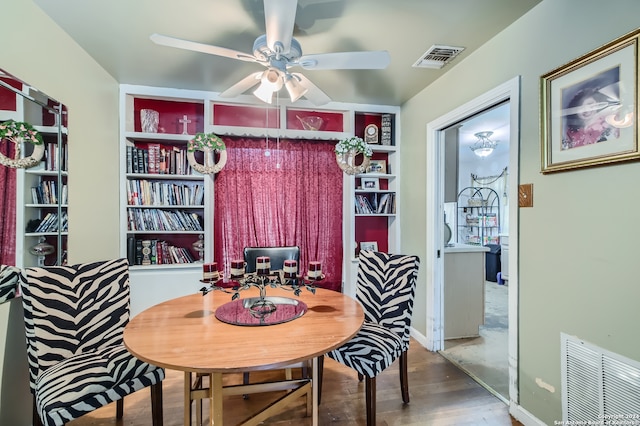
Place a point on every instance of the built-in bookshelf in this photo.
(164, 197)
(41, 191)
(372, 197)
(156, 182)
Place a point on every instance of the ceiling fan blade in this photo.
(279, 17)
(242, 86)
(314, 94)
(369, 60)
(201, 47)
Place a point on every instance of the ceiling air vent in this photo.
(437, 56)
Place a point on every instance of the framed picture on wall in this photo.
(589, 108)
(370, 183)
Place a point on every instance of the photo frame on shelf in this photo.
(372, 184)
(377, 166)
(589, 108)
(369, 246)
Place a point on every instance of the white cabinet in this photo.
(464, 276)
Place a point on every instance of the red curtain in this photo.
(7, 208)
(291, 197)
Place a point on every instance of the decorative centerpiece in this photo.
(208, 143)
(263, 278)
(18, 133)
(348, 150)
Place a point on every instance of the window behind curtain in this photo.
(291, 197)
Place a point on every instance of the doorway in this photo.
(507, 92)
(475, 203)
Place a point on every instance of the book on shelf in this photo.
(50, 223)
(162, 252)
(163, 220)
(155, 158)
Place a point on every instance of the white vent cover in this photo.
(598, 386)
(437, 56)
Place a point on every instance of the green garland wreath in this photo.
(19, 132)
(346, 152)
(207, 142)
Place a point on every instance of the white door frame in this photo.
(435, 213)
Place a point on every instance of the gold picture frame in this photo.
(589, 108)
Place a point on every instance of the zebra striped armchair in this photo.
(74, 320)
(385, 287)
(9, 277)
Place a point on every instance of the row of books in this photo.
(163, 220)
(156, 158)
(46, 193)
(156, 193)
(51, 157)
(50, 223)
(383, 203)
(160, 253)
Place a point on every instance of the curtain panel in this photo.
(8, 209)
(283, 193)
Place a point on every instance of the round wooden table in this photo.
(184, 334)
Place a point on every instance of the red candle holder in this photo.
(238, 268)
(263, 265)
(290, 268)
(315, 271)
(210, 272)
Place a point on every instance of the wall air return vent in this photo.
(437, 56)
(598, 387)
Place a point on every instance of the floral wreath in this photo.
(346, 152)
(19, 132)
(208, 143)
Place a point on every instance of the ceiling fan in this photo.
(278, 51)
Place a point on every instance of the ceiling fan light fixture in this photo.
(295, 89)
(484, 146)
(270, 82)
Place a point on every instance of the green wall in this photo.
(35, 50)
(577, 259)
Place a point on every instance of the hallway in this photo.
(485, 358)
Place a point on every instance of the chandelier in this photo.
(484, 146)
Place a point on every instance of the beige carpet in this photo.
(485, 358)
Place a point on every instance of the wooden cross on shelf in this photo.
(185, 123)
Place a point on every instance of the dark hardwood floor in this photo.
(441, 394)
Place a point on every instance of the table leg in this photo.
(314, 391)
(215, 399)
(187, 398)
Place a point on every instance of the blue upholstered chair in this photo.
(385, 287)
(74, 320)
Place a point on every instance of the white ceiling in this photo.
(116, 34)
(494, 120)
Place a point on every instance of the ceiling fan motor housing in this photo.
(261, 50)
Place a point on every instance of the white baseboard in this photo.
(420, 338)
(523, 416)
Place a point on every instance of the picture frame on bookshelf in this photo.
(369, 246)
(372, 184)
(377, 166)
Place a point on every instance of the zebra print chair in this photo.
(385, 288)
(74, 320)
(9, 277)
